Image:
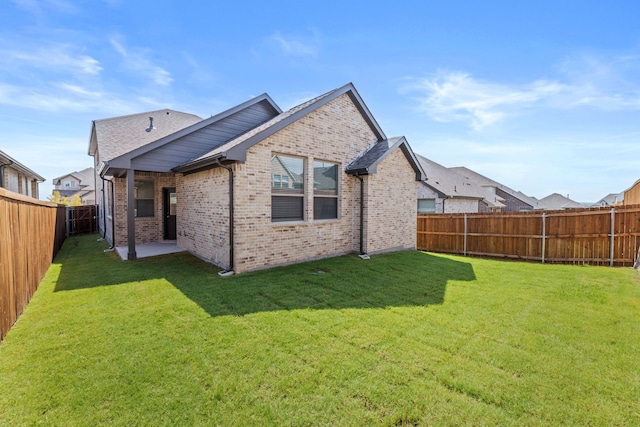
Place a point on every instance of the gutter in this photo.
(202, 164)
(229, 271)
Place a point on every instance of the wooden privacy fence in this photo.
(597, 236)
(31, 233)
(81, 219)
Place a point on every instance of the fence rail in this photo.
(598, 236)
(31, 233)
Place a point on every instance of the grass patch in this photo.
(402, 339)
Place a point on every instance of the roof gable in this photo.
(235, 149)
(368, 162)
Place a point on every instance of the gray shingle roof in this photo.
(255, 131)
(372, 155)
(85, 177)
(120, 135)
(488, 182)
(610, 199)
(452, 184)
(557, 201)
(235, 149)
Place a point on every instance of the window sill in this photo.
(326, 221)
(288, 223)
(307, 223)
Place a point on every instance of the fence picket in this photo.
(598, 236)
(29, 240)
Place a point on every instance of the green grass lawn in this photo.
(402, 339)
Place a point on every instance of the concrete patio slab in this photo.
(145, 250)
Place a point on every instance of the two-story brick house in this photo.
(254, 187)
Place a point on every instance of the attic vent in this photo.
(151, 127)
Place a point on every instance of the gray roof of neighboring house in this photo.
(235, 149)
(120, 135)
(488, 182)
(450, 184)
(85, 176)
(6, 160)
(610, 199)
(557, 201)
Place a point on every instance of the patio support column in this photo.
(131, 219)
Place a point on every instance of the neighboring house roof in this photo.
(85, 188)
(488, 182)
(85, 177)
(557, 201)
(610, 200)
(235, 149)
(450, 184)
(6, 160)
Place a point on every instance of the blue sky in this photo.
(542, 96)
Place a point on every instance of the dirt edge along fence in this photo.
(31, 233)
(596, 236)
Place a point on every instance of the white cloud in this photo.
(136, 60)
(61, 57)
(456, 96)
(586, 81)
(291, 45)
(72, 98)
(37, 7)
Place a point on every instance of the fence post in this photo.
(465, 235)
(613, 230)
(68, 221)
(544, 234)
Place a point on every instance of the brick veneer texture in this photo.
(336, 132)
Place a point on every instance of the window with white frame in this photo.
(287, 188)
(325, 190)
(426, 206)
(144, 198)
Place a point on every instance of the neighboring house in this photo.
(611, 199)
(514, 201)
(254, 187)
(632, 194)
(557, 201)
(16, 177)
(79, 183)
(446, 191)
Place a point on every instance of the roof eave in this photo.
(201, 164)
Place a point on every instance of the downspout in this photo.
(113, 214)
(104, 212)
(229, 271)
(362, 254)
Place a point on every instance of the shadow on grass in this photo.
(395, 279)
